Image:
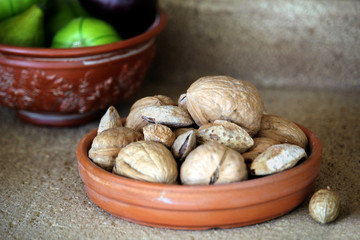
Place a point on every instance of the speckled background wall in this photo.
(271, 43)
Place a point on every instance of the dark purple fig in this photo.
(129, 17)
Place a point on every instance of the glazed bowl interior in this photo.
(200, 206)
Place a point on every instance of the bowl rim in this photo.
(156, 27)
(315, 147)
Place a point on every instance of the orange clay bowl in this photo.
(200, 207)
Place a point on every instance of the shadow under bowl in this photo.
(200, 207)
(70, 86)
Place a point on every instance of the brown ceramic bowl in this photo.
(200, 207)
(62, 87)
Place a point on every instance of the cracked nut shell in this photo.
(134, 119)
(226, 133)
(213, 163)
(183, 145)
(277, 158)
(171, 116)
(260, 145)
(110, 119)
(159, 133)
(107, 144)
(282, 130)
(146, 161)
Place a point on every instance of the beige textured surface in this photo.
(43, 197)
(312, 44)
(274, 43)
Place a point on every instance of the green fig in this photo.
(63, 11)
(85, 32)
(25, 29)
(10, 8)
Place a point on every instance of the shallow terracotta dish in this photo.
(200, 207)
(63, 87)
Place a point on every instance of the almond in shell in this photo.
(171, 116)
(282, 130)
(159, 133)
(184, 144)
(226, 133)
(277, 158)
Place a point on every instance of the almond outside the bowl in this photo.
(277, 158)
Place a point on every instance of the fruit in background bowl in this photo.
(71, 86)
(25, 29)
(10, 8)
(85, 32)
(61, 12)
(129, 17)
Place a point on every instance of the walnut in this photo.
(213, 163)
(171, 116)
(107, 144)
(260, 145)
(324, 205)
(159, 133)
(224, 98)
(110, 119)
(277, 158)
(157, 100)
(183, 145)
(134, 119)
(227, 133)
(146, 161)
(282, 130)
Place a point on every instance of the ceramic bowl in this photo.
(63, 87)
(200, 207)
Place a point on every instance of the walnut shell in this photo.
(324, 205)
(226, 133)
(134, 119)
(159, 133)
(282, 130)
(110, 119)
(224, 98)
(171, 116)
(107, 144)
(146, 161)
(277, 158)
(260, 145)
(157, 100)
(213, 163)
(183, 145)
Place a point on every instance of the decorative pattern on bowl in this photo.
(74, 81)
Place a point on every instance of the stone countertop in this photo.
(43, 197)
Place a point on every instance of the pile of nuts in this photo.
(216, 133)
